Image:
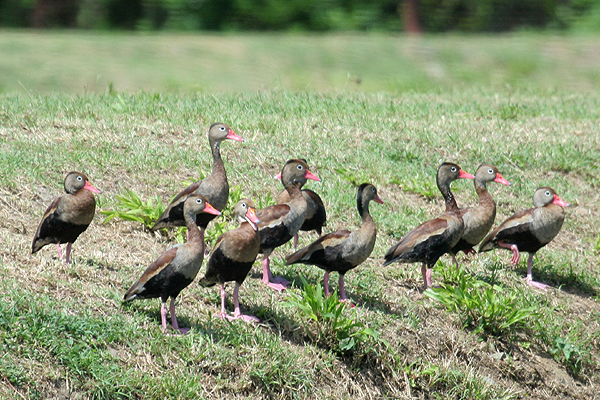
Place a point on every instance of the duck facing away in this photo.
(233, 256)
(316, 215)
(214, 187)
(343, 250)
(529, 230)
(429, 241)
(177, 267)
(478, 220)
(68, 216)
(280, 222)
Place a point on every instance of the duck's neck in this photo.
(294, 191)
(448, 196)
(218, 167)
(195, 233)
(484, 197)
(363, 210)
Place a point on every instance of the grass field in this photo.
(66, 334)
(77, 62)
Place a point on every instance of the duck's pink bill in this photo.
(210, 209)
(233, 136)
(500, 179)
(557, 200)
(309, 175)
(465, 175)
(88, 186)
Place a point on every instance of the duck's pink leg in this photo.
(237, 313)
(174, 323)
(59, 251)
(278, 283)
(326, 283)
(515, 251)
(426, 272)
(295, 241)
(163, 317)
(223, 313)
(529, 279)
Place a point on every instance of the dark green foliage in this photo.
(484, 308)
(309, 15)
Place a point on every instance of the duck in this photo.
(316, 215)
(280, 222)
(478, 220)
(429, 241)
(232, 257)
(343, 250)
(177, 267)
(68, 216)
(214, 187)
(529, 230)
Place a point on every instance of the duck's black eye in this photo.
(548, 193)
(490, 171)
(300, 167)
(373, 189)
(221, 128)
(453, 169)
(80, 178)
(244, 205)
(198, 201)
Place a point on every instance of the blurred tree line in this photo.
(304, 15)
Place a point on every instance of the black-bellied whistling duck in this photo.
(214, 187)
(67, 216)
(233, 256)
(478, 220)
(177, 267)
(316, 216)
(280, 222)
(529, 230)
(343, 250)
(429, 241)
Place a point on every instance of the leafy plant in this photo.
(487, 309)
(566, 352)
(131, 207)
(328, 324)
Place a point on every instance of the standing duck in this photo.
(177, 267)
(429, 241)
(529, 230)
(233, 256)
(280, 222)
(214, 187)
(316, 216)
(343, 250)
(478, 220)
(68, 216)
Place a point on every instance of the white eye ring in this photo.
(80, 178)
(490, 171)
(453, 169)
(547, 193)
(198, 201)
(299, 167)
(244, 205)
(221, 128)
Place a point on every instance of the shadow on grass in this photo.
(565, 279)
(562, 278)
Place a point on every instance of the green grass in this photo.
(64, 331)
(84, 62)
